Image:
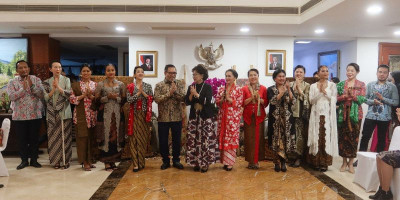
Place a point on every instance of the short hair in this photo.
(20, 61)
(335, 80)
(384, 66)
(136, 68)
(52, 62)
(201, 70)
(253, 70)
(321, 66)
(86, 65)
(355, 65)
(300, 67)
(278, 71)
(234, 72)
(168, 66)
(315, 73)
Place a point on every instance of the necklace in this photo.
(201, 88)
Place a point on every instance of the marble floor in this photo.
(47, 183)
(240, 183)
(151, 183)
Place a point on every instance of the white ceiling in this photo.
(345, 20)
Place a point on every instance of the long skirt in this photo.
(202, 143)
(301, 137)
(321, 159)
(139, 141)
(84, 143)
(391, 158)
(112, 155)
(58, 154)
(254, 146)
(348, 137)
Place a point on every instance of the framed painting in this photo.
(276, 59)
(148, 60)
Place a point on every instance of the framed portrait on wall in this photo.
(276, 59)
(148, 60)
(394, 62)
(332, 60)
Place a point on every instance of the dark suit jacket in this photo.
(145, 68)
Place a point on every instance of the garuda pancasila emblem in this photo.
(211, 56)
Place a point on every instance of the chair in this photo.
(367, 176)
(395, 145)
(6, 130)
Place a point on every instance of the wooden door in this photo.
(389, 54)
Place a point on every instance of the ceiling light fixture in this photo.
(303, 42)
(120, 28)
(319, 31)
(374, 9)
(397, 33)
(244, 30)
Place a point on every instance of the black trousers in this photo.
(28, 138)
(163, 133)
(368, 129)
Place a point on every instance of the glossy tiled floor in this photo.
(152, 183)
(47, 183)
(240, 183)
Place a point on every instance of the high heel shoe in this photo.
(114, 167)
(196, 168)
(86, 168)
(66, 166)
(225, 167)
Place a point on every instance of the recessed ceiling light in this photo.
(120, 28)
(397, 33)
(244, 30)
(319, 31)
(374, 9)
(303, 42)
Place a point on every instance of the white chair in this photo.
(395, 145)
(367, 176)
(6, 130)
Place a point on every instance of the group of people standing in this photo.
(305, 122)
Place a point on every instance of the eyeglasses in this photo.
(171, 73)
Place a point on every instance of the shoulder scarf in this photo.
(131, 88)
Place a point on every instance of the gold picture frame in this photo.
(274, 59)
(149, 61)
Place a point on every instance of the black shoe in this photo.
(1, 185)
(204, 170)
(277, 168)
(386, 195)
(35, 164)
(229, 169)
(355, 163)
(135, 170)
(377, 194)
(23, 165)
(225, 167)
(323, 169)
(177, 165)
(165, 166)
(196, 168)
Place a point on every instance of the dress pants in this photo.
(368, 129)
(28, 138)
(163, 133)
